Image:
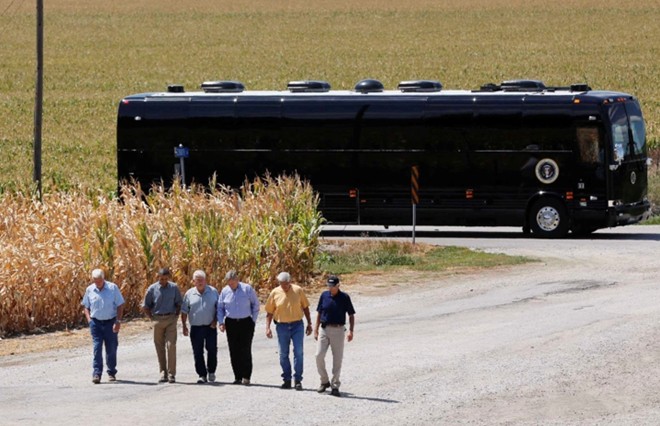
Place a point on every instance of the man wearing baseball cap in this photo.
(332, 309)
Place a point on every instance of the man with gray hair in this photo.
(286, 305)
(238, 310)
(199, 306)
(104, 306)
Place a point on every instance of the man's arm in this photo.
(351, 326)
(269, 319)
(184, 318)
(316, 326)
(87, 315)
(308, 330)
(120, 313)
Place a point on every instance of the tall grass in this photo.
(98, 52)
(47, 250)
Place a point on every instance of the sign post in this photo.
(181, 152)
(414, 188)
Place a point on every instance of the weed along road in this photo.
(569, 339)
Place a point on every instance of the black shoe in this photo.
(298, 385)
(323, 387)
(335, 392)
(286, 384)
(236, 382)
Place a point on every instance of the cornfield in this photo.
(48, 249)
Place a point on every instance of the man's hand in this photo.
(308, 330)
(185, 330)
(115, 327)
(349, 337)
(222, 328)
(269, 333)
(316, 334)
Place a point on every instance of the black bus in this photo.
(548, 159)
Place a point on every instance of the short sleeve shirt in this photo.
(287, 306)
(102, 304)
(333, 309)
(200, 307)
(163, 300)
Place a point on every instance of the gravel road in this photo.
(570, 339)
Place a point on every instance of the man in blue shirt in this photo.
(238, 310)
(332, 309)
(199, 307)
(104, 306)
(162, 304)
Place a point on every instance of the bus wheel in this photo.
(548, 218)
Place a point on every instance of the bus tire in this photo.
(548, 218)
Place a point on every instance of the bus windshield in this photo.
(637, 127)
(628, 133)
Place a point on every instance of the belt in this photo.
(164, 315)
(324, 325)
(285, 323)
(238, 319)
(105, 321)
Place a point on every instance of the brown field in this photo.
(98, 52)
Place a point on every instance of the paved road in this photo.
(570, 339)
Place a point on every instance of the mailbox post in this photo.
(182, 152)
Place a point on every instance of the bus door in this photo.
(445, 175)
(319, 142)
(627, 164)
(258, 136)
(212, 142)
(498, 149)
(392, 138)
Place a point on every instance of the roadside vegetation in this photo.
(351, 256)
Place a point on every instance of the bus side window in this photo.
(588, 143)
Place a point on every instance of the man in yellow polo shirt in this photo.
(286, 304)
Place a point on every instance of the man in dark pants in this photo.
(199, 305)
(238, 310)
(104, 306)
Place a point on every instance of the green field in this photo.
(98, 52)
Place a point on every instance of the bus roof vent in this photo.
(580, 87)
(522, 86)
(222, 86)
(369, 86)
(420, 86)
(308, 86)
(175, 88)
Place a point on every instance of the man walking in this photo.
(286, 304)
(162, 304)
(332, 309)
(104, 306)
(238, 310)
(199, 306)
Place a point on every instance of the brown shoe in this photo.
(112, 378)
(96, 380)
(171, 379)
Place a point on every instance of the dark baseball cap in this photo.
(333, 280)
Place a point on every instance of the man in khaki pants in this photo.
(162, 304)
(332, 309)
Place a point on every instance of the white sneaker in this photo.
(211, 377)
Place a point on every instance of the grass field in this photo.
(98, 52)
